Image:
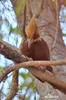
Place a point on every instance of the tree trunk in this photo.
(50, 31)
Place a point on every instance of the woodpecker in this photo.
(35, 46)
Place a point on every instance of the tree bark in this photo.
(52, 34)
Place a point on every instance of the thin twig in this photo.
(24, 23)
(14, 87)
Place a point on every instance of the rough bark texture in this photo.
(6, 48)
(48, 20)
(48, 30)
(37, 73)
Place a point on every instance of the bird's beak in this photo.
(31, 28)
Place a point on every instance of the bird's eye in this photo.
(36, 36)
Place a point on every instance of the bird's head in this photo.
(32, 29)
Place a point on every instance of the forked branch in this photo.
(43, 76)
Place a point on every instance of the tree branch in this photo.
(43, 76)
(31, 63)
(13, 53)
(14, 87)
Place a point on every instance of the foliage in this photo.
(1, 36)
(1, 69)
(20, 6)
(64, 35)
(31, 84)
(15, 30)
(27, 98)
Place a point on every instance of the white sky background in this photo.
(62, 18)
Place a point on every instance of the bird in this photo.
(35, 46)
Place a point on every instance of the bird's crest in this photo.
(32, 28)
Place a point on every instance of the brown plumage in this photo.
(35, 47)
(38, 50)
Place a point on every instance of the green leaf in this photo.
(5, 20)
(1, 36)
(26, 75)
(0, 19)
(27, 98)
(15, 30)
(23, 85)
(20, 6)
(64, 34)
(33, 86)
(1, 69)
